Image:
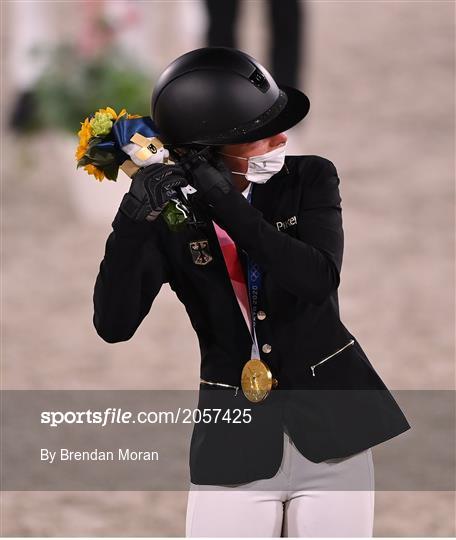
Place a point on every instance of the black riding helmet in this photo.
(220, 95)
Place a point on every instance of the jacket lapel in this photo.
(264, 196)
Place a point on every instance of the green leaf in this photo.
(111, 171)
(173, 217)
(84, 161)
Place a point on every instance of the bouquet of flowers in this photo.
(109, 141)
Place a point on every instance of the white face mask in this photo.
(261, 168)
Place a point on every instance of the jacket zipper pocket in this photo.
(221, 384)
(330, 356)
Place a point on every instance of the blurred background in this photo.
(380, 78)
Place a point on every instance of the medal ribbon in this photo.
(235, 272)
(255, 276)
(246, 293)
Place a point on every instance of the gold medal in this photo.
(257, 380)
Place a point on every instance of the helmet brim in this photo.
(295, 110)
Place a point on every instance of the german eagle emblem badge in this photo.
(200, 251)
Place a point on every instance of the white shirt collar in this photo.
(246, 191)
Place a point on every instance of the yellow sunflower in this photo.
(85, 134)
(112, 113)
(91, 169)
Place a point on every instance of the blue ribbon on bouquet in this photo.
(122, 131)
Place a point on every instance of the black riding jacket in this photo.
(329, 395)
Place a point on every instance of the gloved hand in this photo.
(210, 176)
(151, 188)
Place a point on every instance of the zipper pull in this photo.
(330, 356)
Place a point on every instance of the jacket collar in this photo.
(264, 195)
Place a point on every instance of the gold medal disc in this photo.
(256, 380)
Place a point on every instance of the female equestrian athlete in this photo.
(258, 274)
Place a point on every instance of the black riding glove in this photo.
(151, 188)
(211, 178)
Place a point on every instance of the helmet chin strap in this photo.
(191, 157)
